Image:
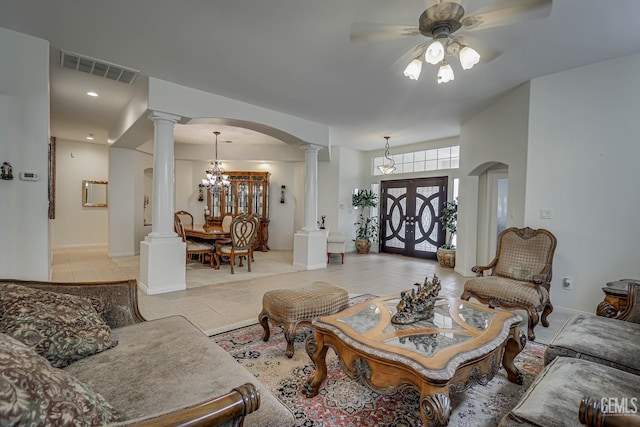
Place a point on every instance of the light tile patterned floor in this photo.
(216, 300)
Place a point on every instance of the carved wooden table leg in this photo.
(435, 410)
(317, 350)
(514, 345)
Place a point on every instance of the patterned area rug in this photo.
(343, 402)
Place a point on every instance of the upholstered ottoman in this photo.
(292, 307)
(554, 397)
(610, 342)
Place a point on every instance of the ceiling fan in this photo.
(444, 24)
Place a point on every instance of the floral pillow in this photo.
(61, 328)
(34, 393)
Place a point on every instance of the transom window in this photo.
(422, 160)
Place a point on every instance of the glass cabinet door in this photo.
(229, 200)
(243, 198)
(215, 202)
(257, 198)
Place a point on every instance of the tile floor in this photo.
(217, 301)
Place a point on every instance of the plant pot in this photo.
(446, 257)
(363, 246)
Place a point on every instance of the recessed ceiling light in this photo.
(89, 137)
(92, 93)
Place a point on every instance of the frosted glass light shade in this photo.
(434, 53)
(386, 169)
(468, 57)
(413, 69)
(445, 73)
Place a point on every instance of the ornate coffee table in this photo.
(462, 344)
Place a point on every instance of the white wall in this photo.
(329, 180)
(76, 225)
(583, 160)
(122, 190)
(24, 139)
(496, 135)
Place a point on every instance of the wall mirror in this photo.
(94, 193)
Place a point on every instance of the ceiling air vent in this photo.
(96, 67)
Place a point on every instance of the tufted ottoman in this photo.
(291, 307)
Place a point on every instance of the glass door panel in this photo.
(257, 199)
(243, 198)
(230, 199)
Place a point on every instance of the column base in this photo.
(310, 249)
(162, 265)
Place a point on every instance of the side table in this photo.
(615, 298)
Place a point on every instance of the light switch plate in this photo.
(546, 214)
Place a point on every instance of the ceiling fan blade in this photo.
(487, 53)
(518, 12)
(409, 55)
(365, 31)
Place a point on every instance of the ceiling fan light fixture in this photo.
(445, 73)
(434, 53)
(413, 69)
(468, 57)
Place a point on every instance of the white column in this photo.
(311, 186)
(163, 175)
(310, 243)
(162, 254)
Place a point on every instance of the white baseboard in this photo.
(81, 245)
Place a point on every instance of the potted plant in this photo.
(449, 219)
(367, 227)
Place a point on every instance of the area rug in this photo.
(343, 402)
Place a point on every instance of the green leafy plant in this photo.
(449, 221)
(367, 228)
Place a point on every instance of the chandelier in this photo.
(435, 55)
(216, 179)
(390, 167)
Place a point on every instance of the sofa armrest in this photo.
(121, 297)
(591, 414)
(632, 312)
(233, 406)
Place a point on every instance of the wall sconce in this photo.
(7, 171)
(200, 192)
(282, 189)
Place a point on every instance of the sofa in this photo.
(157, 372)
(591, 359)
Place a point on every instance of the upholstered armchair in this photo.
(520, 275)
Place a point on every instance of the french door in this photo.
(410, 211)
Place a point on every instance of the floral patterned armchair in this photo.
(520, 275)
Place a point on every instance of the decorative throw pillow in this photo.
(62, 328)
(34, 393)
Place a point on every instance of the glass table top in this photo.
(453, 322)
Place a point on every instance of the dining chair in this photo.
(199, 249)
(243, 230)
(226, 222)
(185, 217)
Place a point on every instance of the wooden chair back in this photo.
(226, 222)
(243, 231)
(185, 217)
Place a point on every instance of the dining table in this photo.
(206, 232)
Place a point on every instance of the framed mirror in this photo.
(94, 193)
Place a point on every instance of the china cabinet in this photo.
(247, 193)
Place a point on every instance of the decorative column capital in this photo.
(157, 116)
(311, 147)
